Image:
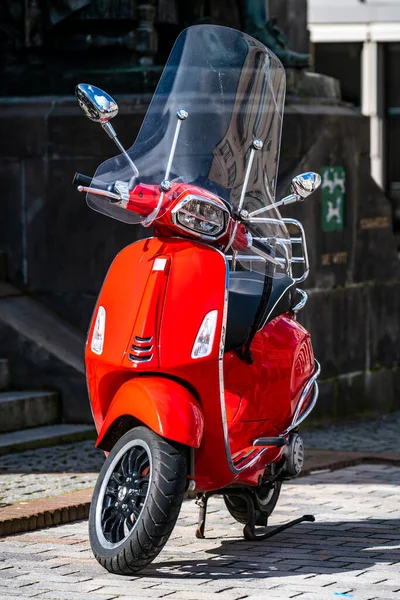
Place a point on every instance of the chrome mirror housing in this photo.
(305, 184)
(97, 105)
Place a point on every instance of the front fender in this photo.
(161, 404)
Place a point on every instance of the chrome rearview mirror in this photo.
(305, 184)
(302, 186)
(97, 105)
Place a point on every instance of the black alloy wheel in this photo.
(136, 501)
(125, 494)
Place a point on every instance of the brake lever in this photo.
(97, 192)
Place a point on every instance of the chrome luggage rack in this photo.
(259, 255)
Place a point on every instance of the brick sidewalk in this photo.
(51, 507)
(352, 551)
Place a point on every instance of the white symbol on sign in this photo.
(331, 184)
(338, 181)
(327, 183)
(334, 211)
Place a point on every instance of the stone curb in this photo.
(333, 460)
(57, 510)
(74, 506)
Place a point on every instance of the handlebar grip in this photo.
(80, 179)
(86, 181)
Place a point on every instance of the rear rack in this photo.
(299, 240)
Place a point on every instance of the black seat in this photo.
(245, 292)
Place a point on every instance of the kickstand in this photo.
(202, 501)
(249, 531)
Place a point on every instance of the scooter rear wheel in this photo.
(136, 501)
(264, 499)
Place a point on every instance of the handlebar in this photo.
(84, 180)
(80, 179)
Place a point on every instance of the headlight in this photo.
(201, 216)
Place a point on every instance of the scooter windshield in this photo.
(214, 122)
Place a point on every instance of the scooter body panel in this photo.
(152, 400)
(269, 389)
(167, 306)
(156, 296)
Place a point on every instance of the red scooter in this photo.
(198, 372)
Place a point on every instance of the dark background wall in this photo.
(59, 250)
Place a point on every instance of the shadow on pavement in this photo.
(324, 547)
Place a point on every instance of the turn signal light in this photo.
(98, 331)
(205, 337)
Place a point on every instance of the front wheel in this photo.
(136, 501)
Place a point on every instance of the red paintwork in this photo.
(271, 386)
(143, 199)
(153, 400)
(178, 396)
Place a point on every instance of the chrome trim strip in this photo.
(301, 304)
(138, 360)
(221, 382)
(141, 351)
(312, 381)
(242, 456)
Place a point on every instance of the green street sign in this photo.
(333, 188)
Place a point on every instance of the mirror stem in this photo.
(110, 131)
(287, 200)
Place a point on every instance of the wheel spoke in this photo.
(117, 528)
(131, 460)
(107, 511)
(111, 491)
(139, 456)
(108, 523)
(116, 477)
(144, 467)
(125, 464)
(136, 510)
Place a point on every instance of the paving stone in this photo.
(373, 435)
(66, 458)
(343, 550)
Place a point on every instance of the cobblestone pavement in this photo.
(372, 435)
(351, 551)
(71, 467)
(67, 458)
(64, 468)
(24, 487)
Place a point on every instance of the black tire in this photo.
(264, 499)
(136, 501)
